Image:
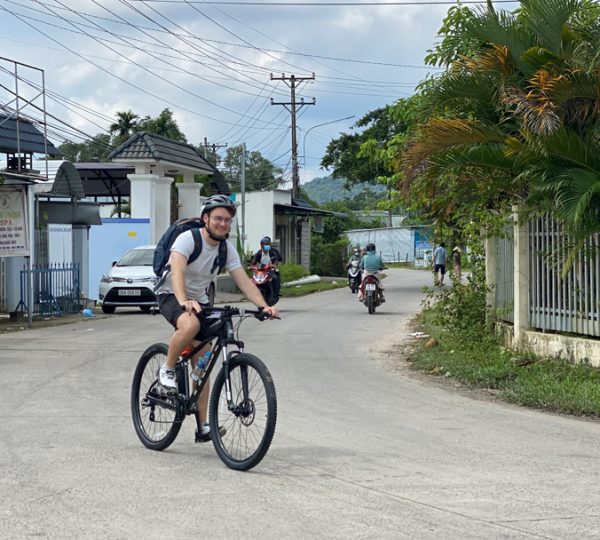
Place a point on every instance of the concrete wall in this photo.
(573, 349)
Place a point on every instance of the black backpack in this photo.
(162, 251)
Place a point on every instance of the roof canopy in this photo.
(62, 180)
(20, 135)
(302, 208)
(176, 156)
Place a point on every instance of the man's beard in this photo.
(214, 236)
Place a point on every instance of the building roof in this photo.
(110, 179)
(300, 207)
(146, 146)
(28, 139)
(62, 179)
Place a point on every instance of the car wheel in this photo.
(210, 292)
(108, 309)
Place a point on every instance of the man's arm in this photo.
(250, 291)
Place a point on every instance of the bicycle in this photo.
(242, 405)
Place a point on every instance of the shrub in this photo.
(329, 259)
(291, 272)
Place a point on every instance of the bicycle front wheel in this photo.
(154, 415)
(242, 435)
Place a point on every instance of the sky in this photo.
(217, 65)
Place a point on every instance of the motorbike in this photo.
(262, 277)
(354, 276)
(371, 292)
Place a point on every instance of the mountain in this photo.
(326, 189)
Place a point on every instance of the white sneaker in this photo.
(167, 379)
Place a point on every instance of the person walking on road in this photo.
(439, 258)
(456, 263)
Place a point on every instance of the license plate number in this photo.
(130, 292)
(370, 286)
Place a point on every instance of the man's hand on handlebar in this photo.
(191, 307)
(272, 311)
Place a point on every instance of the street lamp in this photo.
(310, 129)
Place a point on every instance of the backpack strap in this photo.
(197, 245)
(221, 259)
(222, 255)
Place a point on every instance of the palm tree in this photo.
(124, 127)
(518, 114)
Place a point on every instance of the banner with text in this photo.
(13, 222)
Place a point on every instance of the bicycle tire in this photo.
(160, 432)
(242, 440)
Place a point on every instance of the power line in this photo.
(326, 4)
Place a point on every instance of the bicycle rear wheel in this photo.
(243, 435)
(155, 416)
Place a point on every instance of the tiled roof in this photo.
(142, 146)
(30, 140)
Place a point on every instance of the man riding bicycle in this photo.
(182, 294)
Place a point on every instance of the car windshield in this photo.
(137, 257)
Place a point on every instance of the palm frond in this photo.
(547, 20)
(502, 29)
(440, 134)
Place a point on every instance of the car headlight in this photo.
(105, 278)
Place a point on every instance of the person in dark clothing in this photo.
(267, 254)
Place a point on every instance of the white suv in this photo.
(130, 282)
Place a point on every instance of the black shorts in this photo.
(440, 268)
(170, 309)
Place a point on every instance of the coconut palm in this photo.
(519, 114)
(124, 127)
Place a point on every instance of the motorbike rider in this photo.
(267, 254)
(371, 264)
(356, 257)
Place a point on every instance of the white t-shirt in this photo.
(198, 275)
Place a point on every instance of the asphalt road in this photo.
(360, 450)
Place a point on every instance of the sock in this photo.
(205, 429)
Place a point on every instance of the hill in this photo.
(326, 189)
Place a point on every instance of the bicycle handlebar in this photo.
(241, 311)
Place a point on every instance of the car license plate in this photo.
(130, 292)
(370, 286)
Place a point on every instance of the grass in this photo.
(519, 378)
(309, 288)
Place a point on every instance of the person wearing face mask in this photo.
(267, 254)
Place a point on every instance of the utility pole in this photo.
(213, 147)
(294, 106)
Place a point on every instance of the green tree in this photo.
(95, 149)
(514, 118)
(124, 127)
(261, 174)
(164, 124)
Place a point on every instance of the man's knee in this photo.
(188, 324)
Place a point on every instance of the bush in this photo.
(329, 259)
(291, 272)
(461, 309)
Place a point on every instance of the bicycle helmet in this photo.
(218, 201)
(265, 240)
(370, 246)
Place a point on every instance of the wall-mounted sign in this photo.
(13, 222)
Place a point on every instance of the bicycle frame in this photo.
(185, 401)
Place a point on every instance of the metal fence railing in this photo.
(504, 289)
(569, 304)
(55, 289)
